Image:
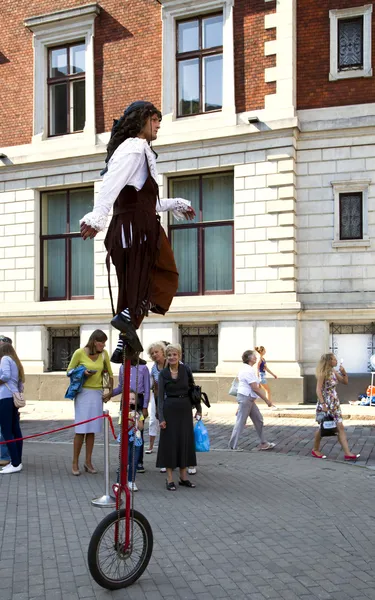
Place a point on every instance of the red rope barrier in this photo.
(28, 437)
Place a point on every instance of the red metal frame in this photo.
(122, 487)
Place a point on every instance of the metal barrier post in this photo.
(105, 501)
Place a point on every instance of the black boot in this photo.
(128, 330)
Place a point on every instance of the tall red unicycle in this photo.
(121, 546)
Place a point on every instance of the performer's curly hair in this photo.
(129, 125)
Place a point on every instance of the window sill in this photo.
(350, 74)
(366, 243)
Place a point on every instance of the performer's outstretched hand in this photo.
(189, 213)
(87, 231)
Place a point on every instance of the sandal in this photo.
(268, 447)
(186, 483)
(351, 456)
(170, 486)
(316, 454)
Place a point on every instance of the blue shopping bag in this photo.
(202, 441)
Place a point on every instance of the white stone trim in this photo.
(340, 187)
(49, 30)
(177, 9)
(285, 72)
(334, 17)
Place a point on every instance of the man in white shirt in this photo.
(135, 242)
(248, 390)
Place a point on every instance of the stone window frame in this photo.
(345, 13)
(176, 10)
(345, 187)
(53, 29)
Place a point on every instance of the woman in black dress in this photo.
(176, 444)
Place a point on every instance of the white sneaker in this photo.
(192, 471)
(163, 470)
(132, 487)
(10, 469)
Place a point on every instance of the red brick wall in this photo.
(250, 62)
(127, 61)
(314, 90)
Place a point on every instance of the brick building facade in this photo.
(279, 158)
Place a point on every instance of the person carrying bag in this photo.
(12, 378)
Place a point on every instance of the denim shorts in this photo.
(262, 377)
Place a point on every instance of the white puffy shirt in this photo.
(246, 377)
(128, 166)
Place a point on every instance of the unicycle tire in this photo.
(111, 570)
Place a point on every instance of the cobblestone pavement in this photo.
(259, 525)
(293, 435)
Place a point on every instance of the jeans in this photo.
(139, 461)
(137, 452)
(4, 454)
(10, 429)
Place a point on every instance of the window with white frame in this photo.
(198, 47)
(64, 100)
(199, 64)
(351, 213)
(66, 88)
(350, 42)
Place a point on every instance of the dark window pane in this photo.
(213, 82)
(188, 36)
(200, 347)
(77, 59)
(58, 62)
(350, 34)
(185, 248)
(79, 110)
(189, 190)
(81, 202)
(82, 252)
(54, 262)
(351, 216)
(212, 34)
(62, 350)
(218, 200)
(54, 213)
(218, 261)
(188, 87)
(59, 109)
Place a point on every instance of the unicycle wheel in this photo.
(110, 566)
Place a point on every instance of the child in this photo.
(262, 374)
(135, 427)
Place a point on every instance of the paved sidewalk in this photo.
(291, 428)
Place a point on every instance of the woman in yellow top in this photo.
(89, 402)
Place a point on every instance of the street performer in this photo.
(136, 242)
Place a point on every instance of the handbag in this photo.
(328, 426)
(195, 391)
(18, 398)
(105, 374)
(233, 390)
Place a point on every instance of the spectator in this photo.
(262, 374)
(248, 390)
(4, 454)
(329, 403)
(141, 384)
(157, 353)
(135, 428)
(176, 444)
(12, 378)
(89, 402)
